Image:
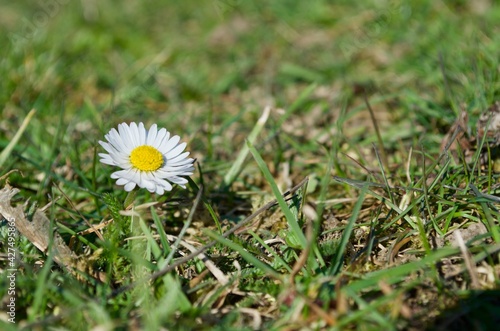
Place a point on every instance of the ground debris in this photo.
(461, 140)
(38, 232)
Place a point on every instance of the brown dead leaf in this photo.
(38, 232)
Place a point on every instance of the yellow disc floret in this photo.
(146, 158)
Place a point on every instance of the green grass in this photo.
(365, 243)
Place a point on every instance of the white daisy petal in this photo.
(163, 142)
(173, 169)
(178, 180)
(118, 159)
(149, 185)
(181, 161)
(172, 142)
(124, 135)
(178, 158)
(129, 133)
(121, 131)
(129, 186)
(152, 135)
(122, 174)
(164, 184)
(175, 151)
(136, 175)
(107, 146)
(142, 134)
(177, 172)
(134, 133)
(105, 158)
(122, 181)
(186, 172)
(145, 181)
(115, 139)
(159, 138)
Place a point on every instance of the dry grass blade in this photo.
(218, 274)
(254, 313)
(471, 268)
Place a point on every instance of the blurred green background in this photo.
(118, 56)
(210, 67)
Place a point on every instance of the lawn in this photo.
(345, 177)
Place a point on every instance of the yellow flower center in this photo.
(146, 158)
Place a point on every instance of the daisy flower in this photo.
(150, 159)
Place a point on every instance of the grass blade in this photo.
(339, 257)
(237, 166)
(8, 150)
(290, 218)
